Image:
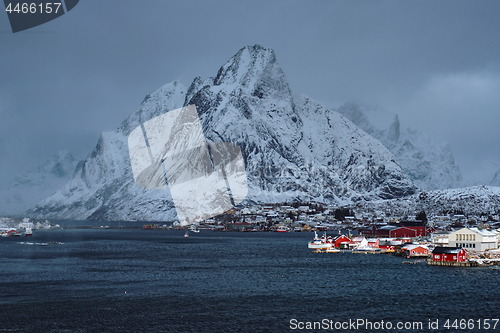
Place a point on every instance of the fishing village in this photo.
(444, 240)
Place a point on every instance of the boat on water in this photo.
(28, 232)
(193, 229)
(363, 247)
(282, 228)
(322, 243)
(186, 235)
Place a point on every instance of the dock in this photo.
(452, 263)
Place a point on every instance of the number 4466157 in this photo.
(34, 8)
(462, 324)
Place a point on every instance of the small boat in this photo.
(282, 228)
(363, 247)
(322, 243)
(186, 235)
(28, 232)
(193, 229)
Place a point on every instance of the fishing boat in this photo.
(186, 235)
(322, 243)
(28, 232)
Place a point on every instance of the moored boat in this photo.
(322, 243)
(282, 228)
(193, 229)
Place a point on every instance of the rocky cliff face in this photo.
(429, 164)
(293, 148)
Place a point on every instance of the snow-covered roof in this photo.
(414, 246)
(483, 232)
(388, 227)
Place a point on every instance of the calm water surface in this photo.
(124, 280)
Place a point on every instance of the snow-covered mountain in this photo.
(496, 179)
(474, 200)
(428, 163)
(293, 148)
(28, 188)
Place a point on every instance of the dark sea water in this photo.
(125, 280)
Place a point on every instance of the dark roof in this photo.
(446, 250)
(412, 224)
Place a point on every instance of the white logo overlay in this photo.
(171, 151)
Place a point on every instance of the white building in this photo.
(474, 239)
(440, 238)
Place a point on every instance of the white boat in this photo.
(322, 243)
(28, 232)
(282, 228)
(193, 229)
(186, 235)
(363, 247)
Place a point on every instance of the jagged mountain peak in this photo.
(393, 133)
(293, 148)
(168, 97)
(429, 164)
(247, 62)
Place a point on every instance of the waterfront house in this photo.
(341, 239)
(448, 254)
(474, 239)
(415, 250)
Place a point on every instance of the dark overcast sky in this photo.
(435, 63)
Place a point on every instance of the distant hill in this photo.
(28, 188)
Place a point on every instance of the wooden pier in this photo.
(452, 263)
